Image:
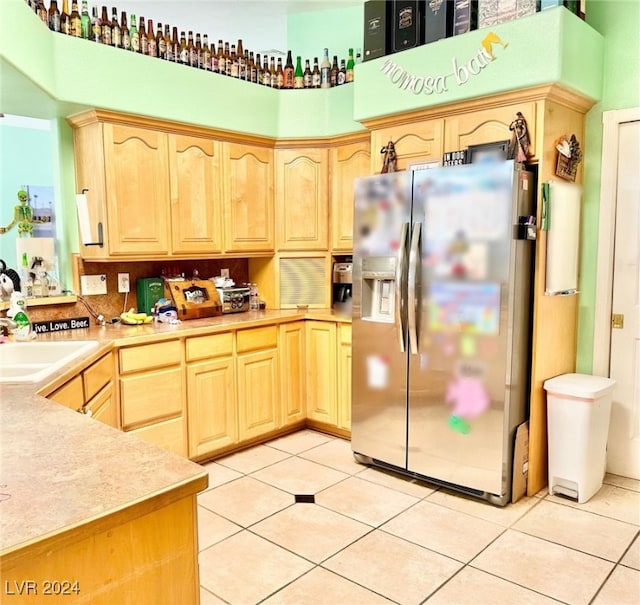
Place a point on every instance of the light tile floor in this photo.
(372, 537)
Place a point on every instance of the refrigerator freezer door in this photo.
(382, 213)
(457, 392)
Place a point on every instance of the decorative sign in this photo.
(454, 158)
(57, 325)
(439, 84)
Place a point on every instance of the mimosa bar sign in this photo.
(461, 72)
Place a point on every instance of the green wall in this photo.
(618, 21)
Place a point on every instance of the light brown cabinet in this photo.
(211, 393)
(347, 163)
(344, 376)
(152, 394)
(248, 198)
(292, 373)
(321, 375)
(302, 200)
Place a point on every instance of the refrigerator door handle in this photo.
(412, 281)
(400, 286)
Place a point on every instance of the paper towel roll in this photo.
(84, 222)
(563, 238)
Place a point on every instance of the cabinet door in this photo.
(258, 393)
(248, 198)
(292, 372)
(196, 209)
(348, 162)
(137, 189)
(302, 208)
(486, 126)
(415, 143)
(70, 394)
(344, 377)
(320, 357)
(212, 407)
(103, 406)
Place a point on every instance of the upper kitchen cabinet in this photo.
(248, 198)
(196, 208)
(348, 162)
(302, 201)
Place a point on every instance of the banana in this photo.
(131, 318)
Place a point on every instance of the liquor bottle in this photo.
(214, 58)
(350, 66)
(242, 66)
(205, 57)
(333, 74)
(279, 74)
(116, 32)
(168, 44)
(272, 71)
(307, 76)
(298, 75)
(288, 72)
(85, 21)
(42, 12)
(266, 72)
(54, 16)
(161, 45)
(125, 34)
(325, 70)
(232, 63)
(175, 45)
(152, 49)
(183, 54)
(96, 26)
(142, 34)
(105, 27)
(65, 19)
(134, 35)
(316, 76)
(342, 74)
(258, 65)
(76, 22)
(196, 53)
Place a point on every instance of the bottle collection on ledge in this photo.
(228, 59)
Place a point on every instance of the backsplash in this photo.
(110, 305)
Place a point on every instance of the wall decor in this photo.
(569, 156)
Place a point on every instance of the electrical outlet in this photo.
(93, 284)
(224, 272)
(123, 282)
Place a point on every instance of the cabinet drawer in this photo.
(169, 434)
(150, 397)
(147, 357)
(254, 339)
(213, 345)
(70, 394)
(97, 375)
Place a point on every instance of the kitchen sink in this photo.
(35, 361)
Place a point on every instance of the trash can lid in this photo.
(579, 385)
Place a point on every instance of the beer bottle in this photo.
(161, 45)
(232, 63)
(325, 70)
(279, 74)
(266, 72)
(307, 77)
(272, 71)
(298, 76)
(220, 68)
(258, 65)
(184, 50)
(214, 57)
(85, 21)
(242, 66)
(125, 34)
(247, 67)
(54, 16)
(350, 66)
(134, 34)
(227, 59)
(96, 26)
(196, 52)
(205, 57)
(253, 69)
(76, 23)
(333, 74)
(175, 45)
(152, 49)
(65, 19)
(116, 32)
(105, 24)
(316, 76)
(142, 33)
(342, 73)
(42, 12)
(168, 45)
(288, 72)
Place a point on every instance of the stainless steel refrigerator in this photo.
(441, 323)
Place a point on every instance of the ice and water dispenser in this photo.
(379, 288)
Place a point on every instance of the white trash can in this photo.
(578, 410)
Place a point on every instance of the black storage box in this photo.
(438, 20)
(377, 29)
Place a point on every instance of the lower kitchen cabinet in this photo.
(344, 377)
(211, 394)
(321, 374)
(292, 364)
(258, 381)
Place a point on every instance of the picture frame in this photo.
(497, 151)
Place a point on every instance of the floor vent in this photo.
(307, 498)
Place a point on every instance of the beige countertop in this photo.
(60, 469)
